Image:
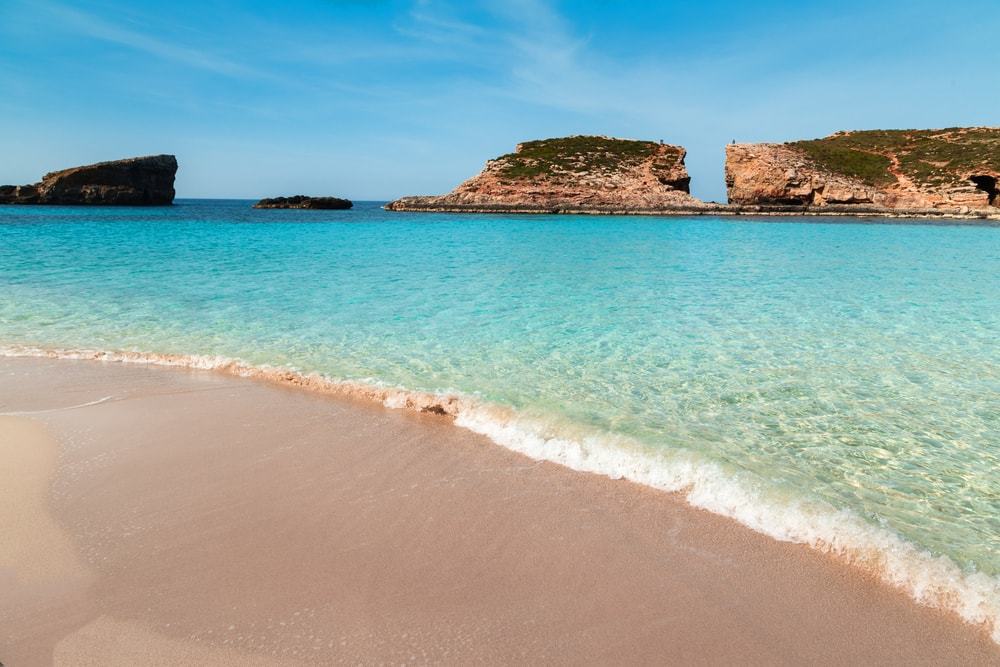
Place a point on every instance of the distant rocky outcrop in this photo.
(138, 181)
(302, 201)
(571, 174)
(955, 169)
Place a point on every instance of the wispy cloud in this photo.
(95, 27)
(428, 22)
(531, 51)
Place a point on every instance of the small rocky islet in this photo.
(306, 202)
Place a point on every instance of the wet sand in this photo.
(168, 516)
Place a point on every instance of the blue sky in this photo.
(378, 99)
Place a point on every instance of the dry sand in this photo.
(167, 516)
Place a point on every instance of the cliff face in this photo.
(956, 168)
(572, 173)
(140, 181)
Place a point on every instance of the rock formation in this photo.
(138, 181)
(955, 169)
(302, 201)
(581, 173)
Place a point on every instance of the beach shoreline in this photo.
(873, 551)
(224, 518)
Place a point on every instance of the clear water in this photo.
(852, 365)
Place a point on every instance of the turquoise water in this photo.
(852, 366)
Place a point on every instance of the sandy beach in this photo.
(169, 516)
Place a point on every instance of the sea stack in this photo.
(302, 201)
(896, 170)
(585, 174)
(137, 181)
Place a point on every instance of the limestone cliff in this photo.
(580, 173)
(138, 181)
(956, 169)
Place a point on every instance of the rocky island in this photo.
(304, 202)
(950, 172)
(138, 181)
(579, 174)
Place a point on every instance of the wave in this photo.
(934, 581)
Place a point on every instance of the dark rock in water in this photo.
(302, 201)
(137, 181)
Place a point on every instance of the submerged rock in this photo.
(302, 201)
(138, 181)
(895, 170)
(580, 173)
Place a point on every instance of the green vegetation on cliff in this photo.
(574, 155)
(832, 155)
(928, 157)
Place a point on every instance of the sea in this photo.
(832, 382)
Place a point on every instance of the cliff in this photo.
(581, 173)
(138, 181)
(955, 169)
(304, 202)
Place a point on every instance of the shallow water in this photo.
(847, 366)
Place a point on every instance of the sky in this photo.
(372, 99)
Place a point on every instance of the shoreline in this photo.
(927, 580)
(569, 565)
(931, 215)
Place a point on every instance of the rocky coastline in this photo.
(951, 173)
(417, 205)
(138, 181)
(912, 174)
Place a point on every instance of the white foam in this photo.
(931, 580)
